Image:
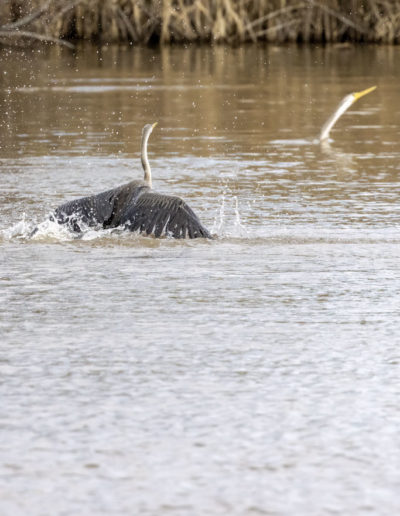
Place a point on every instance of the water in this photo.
(253, 374)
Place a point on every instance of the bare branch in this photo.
(339, 16)
(269, 16)
(26, 19)
(34, 35)
(128, 24)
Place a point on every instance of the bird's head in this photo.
(148, 128)
(358, 94)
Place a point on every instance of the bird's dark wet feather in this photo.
(136, 208)
(159, 214)
(133, 206)
(90, 211)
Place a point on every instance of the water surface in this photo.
(253, 374)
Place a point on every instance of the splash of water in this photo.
(49, 230)
(20, 230)
(228, 222)
(220, 218)
(240, 229)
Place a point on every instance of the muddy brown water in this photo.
(253, 374)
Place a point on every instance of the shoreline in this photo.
(232, 22)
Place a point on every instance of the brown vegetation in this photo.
(220, 21)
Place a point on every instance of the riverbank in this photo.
(203, 21)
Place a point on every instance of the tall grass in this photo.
(219, 21)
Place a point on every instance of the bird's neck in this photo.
(346, 103)
(145, 161)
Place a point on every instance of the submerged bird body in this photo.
(133, 206)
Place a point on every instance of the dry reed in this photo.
(219, 21)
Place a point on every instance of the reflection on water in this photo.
(257, 373)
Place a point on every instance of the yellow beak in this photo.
(155, 123)
(358, 94)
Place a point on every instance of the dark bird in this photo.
(134, 206)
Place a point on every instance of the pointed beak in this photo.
(358, 94)
(153, 126)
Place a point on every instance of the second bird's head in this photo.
(147, 129)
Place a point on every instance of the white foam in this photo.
(49, 230)
(22, 229)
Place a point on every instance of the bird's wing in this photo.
(103, 209)
(91, 211)
(159, 214)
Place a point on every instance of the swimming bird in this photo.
(135, 207)
(343, 106)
